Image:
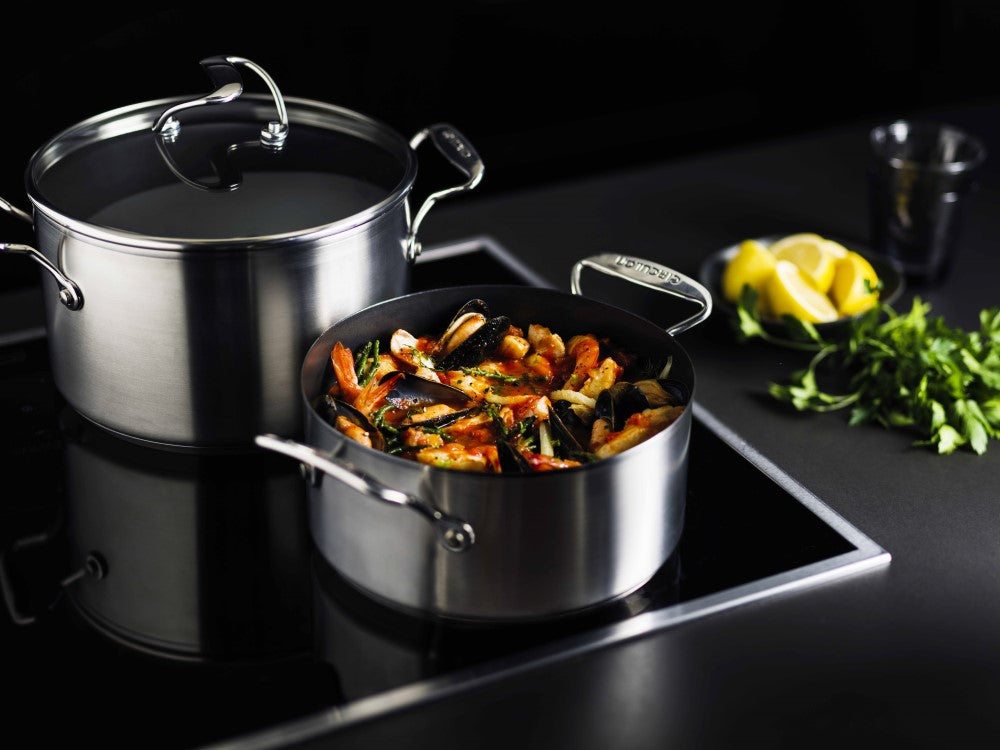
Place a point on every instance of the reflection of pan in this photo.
(190, 556)
(375, 648)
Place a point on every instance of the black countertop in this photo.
(905, 654)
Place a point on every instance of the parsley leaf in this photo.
(905, 371)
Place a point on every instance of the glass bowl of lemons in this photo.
(818, 279)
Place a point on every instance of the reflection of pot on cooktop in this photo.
(196, 556)
(375, 647)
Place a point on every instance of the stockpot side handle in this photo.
(454, 534)
(15, 211)
(69, 291)
(228, 86)
(461, 154)
(650, 275)
(94, 566)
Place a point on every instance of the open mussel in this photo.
(415, 393)
(570, 432)
(411, 390)
(469, 318)
(618, 403)
(664, 391)
(478, 346)
(512, 461)
(350, 422)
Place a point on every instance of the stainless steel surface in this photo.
(453, 534)
(229, 85)
(204, 349)
(69, 293)
(867, 556)
(15, 211)
(460, 153)
(547, 542)
(653, 276)
(197, 341)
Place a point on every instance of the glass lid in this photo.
(249, 168)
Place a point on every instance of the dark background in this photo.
(544, 93)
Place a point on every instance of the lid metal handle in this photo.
(460, 153)
(650, 275)
(228, 86)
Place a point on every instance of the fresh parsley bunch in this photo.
(906, 371)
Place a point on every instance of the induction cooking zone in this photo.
(175, 600)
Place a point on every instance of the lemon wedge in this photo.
(753, 264)
(849, 292)
(794, 239)
(788, 291)
(835, 249)
(810, 253)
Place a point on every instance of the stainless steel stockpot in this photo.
(194, 252)
(500, 547)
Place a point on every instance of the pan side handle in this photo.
(653, 276)
(454, 534)
(69, 292)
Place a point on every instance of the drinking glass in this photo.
(921, 178)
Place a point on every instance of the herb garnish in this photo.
(906, 371)
(511, 379)
(362, 366)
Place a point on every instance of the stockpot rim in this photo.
(138, 117)
(476, 290)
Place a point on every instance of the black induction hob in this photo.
(171, 600)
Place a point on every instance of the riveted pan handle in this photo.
(461, 154)
(454, 534)
(228, 86)
(69, 292)
(650, 275)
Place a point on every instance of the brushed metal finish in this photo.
(546, 543)
(454, 534)
(69, 293)
(204, 348)
(461, 154)
(197, 342)
(229, 85)
(651, 275)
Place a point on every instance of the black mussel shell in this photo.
(663, 391)
(330, 408)
(511, 459)
(444, 420)
(618, 403)
(571, 431)
(472, 306)
(478, 346)
(412, 390)
(680, 393)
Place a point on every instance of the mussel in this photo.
(512, 461)
(469, 318)
(410, 391)
(333, 410)
(571, 432)
(477, 346)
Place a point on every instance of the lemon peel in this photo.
(789, 292)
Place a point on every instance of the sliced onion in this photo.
(574, 397)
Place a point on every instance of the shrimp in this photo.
(353, 431)
(343, 368)
(586, 350)
(372, 395)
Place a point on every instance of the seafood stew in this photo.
(487, 395)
